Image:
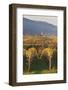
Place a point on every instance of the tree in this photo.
(25, 62)
(48, 52)
(54, 59)
(30, 54)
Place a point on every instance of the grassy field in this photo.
(41, 72)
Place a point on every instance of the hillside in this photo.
(33, 27)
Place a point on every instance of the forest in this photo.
(39, 54)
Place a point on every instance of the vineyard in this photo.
(39, 54)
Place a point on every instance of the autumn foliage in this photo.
(39, 53)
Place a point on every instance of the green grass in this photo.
(41, 71)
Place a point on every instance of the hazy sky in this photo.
(49, 19)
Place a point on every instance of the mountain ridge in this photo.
(34, 27)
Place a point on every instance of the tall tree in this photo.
(30, 53)
(48, 52)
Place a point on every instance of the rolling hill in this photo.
(33, 27)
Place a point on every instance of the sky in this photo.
(50, 19)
